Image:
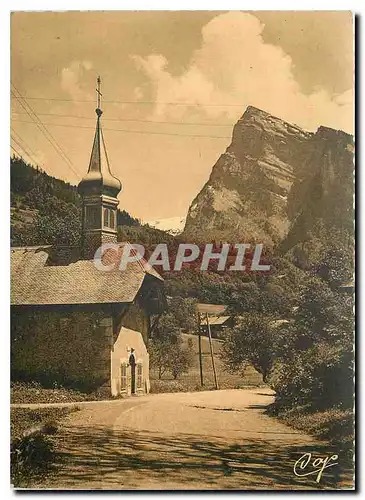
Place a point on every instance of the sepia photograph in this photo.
(182, 250)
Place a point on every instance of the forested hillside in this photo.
(44, 209)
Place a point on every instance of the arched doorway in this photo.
(132, 363)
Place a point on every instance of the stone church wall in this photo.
(68, 348)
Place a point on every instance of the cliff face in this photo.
(246, 194)
(260, 185)
(320, 203)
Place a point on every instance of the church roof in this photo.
(38, 277)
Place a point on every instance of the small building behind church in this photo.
(215, 315)
(217, 324)
(73, 324)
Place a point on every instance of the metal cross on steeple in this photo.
(98, 92)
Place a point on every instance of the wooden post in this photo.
(211, 352)
(200, 351)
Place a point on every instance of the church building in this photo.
(73, 324)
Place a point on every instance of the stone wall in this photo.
(68, 348)
(78, 349)
(92, 240)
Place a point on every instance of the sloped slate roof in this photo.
(37, 280)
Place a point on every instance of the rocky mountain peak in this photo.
(331, 134)
(264, 120)
(247, 193)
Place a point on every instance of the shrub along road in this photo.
(202, 440)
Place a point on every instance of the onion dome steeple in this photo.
(99, 190)
(99, 178)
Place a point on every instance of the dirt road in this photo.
(202, 440)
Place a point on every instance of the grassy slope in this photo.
(33, 392)
(25, 420)
(334, 425)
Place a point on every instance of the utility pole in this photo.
(200, 350)
(211, 351)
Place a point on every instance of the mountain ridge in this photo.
(246, 195)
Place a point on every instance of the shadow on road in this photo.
(127, 460)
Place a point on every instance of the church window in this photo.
(92, 217)
(109, 218)
(106, 217)
(112, 219)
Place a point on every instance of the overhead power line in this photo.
(34, 117)
(139, 102)
(130, 131)
(206, 124)
(24, 145)
(16, 151)
(42, 127)
(24, 149)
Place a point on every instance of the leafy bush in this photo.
(30, 456)
(316, 365)
(32, 450)
(34, 392)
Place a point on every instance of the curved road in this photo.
(202, 440)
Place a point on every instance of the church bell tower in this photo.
(99, 190)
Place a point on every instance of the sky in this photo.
(173, 84)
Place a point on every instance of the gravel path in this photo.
(203, 440)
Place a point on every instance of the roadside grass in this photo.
(34, 392)
(190, 381)
(334, 425)
(31, 450)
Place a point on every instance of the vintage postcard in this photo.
(182, 250)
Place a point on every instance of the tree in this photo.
(57, 206)
(124, 219)
(184, 313)
(316, 368)
(336, 266)
(253, 341)
(167, 352)
(164, 340)
(159, 351)
(181, 359)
